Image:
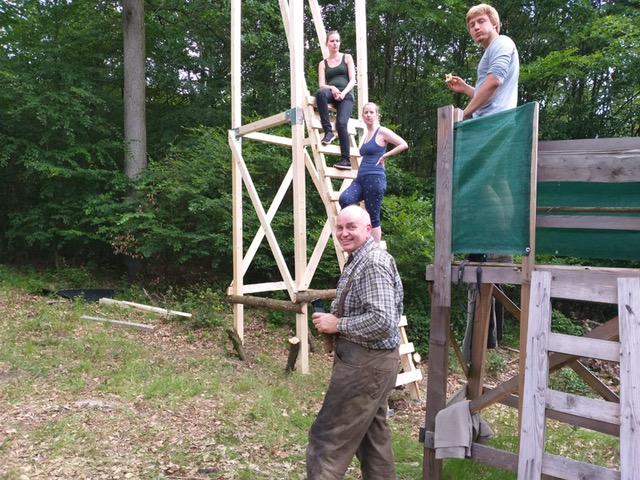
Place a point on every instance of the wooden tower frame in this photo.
(295, 283)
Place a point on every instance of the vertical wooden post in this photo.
(441, 296)
(629, 314)
(236, 178)
(361, 59)
(534, 424)
(528, 263)
(298, 87)
(481, 320)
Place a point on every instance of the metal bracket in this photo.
(236, 132)
(295, 116)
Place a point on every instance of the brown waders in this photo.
(353, 417)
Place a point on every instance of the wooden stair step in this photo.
(335, 150)
(332, 172)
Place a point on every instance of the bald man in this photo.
(364, 319)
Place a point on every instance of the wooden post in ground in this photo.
(441, 297)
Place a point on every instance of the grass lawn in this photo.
(87, 400)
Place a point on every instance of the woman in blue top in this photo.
(336, 78)
(371, 182)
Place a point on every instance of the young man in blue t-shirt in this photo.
(497, 84)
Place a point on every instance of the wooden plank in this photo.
(441, 294)
(491, 273)
(591, 408)
(594, 382)
(506, 302)
(479, 340)
(459, 355)
(263, 124)
(408, 377)
(590, 160)
(120, 323)
(589, 222)
(590, 284)
(629, 313)
(332, 172)
(352, 125)
(140, 306)
(484, 454)
(595, 425)
(269, 138)
(406, 348)
(533, 424)
(259, 287)
(362, 72)
(583, 346)
(335, 150)
(569, 469)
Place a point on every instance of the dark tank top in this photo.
(337, 76)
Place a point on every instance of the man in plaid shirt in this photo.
(364, 320)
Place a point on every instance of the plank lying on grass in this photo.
(120, 323)
(140, 306)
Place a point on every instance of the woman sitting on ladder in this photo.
(336, 78)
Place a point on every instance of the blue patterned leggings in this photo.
(369, 188)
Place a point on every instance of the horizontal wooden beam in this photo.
(553, 466)
(589, 284)
(305, 296)
(120, 323)
(263, 302)
(263, 124)
(607, 160)
(588, 222)
(140, 306)
(268, 138)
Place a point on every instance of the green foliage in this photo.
(566, 380)
(562, 324)
(178, 208)
(408, 231)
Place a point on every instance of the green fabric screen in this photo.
(491, 182)
(603, 244)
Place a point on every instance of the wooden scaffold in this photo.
(601, 164)
(308, 156)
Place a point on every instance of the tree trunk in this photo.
(135, 129)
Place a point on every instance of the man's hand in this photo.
(325, 322)
(458, 85)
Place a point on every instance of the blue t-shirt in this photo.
(371, 153)
(501, 60)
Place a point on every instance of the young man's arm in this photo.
(482, 95)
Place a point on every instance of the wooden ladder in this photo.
(410, 375)
(324, 180)
(538, 398)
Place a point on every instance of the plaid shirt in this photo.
(373, 303)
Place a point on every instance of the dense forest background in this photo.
(66, 201)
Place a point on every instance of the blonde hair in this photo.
(375, 107)
(484, 9)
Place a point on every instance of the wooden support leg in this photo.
(479, 342)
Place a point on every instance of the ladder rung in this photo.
(342, 174)
(408, 377)
(351, 126)
(335, 150)
(406, 348)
